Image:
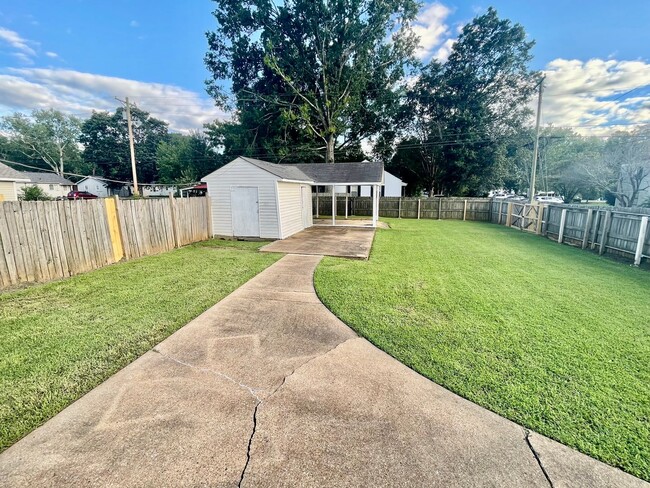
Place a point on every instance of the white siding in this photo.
(242, 173)
(291, 207)
(8, 191)
(393, 186)
(96, 187)
(55, 191)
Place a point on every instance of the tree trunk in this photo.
(329, 156)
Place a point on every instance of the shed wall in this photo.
(291, 207)
(241, 173)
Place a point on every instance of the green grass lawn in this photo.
(58, 341)
(554, 338)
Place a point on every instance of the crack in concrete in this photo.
(257, 406)
(536, 456)
(251, 390)
(250, 443)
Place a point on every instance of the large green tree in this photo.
(311, 74)
(462, 113)
(48, 138)
(105, 139)
(185, 159)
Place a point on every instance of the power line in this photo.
(42, 170)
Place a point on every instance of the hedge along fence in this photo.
(477, 209)
(42, 241)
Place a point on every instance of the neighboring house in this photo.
(100, 187)
(156, 190)
(252, 198)
(53, 185)
(10, 179)
(392, 187)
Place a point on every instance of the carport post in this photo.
(375, 205)
(333, 205)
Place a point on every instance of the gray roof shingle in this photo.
(344, 173)
(46, 178)
(322, 173)
(7, 173)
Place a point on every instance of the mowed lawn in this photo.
(554, 338)
(59, 340)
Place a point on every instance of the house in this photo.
(253, 198)
(53, 185)
(156, 190)
(10, 179)
(100, 187)
(392, 187)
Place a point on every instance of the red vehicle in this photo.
(81, 195)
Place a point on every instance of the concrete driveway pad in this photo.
(268, 388)
(344, 241)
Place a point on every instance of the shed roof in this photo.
(284, 171)
(324, 173)
(7, 173)
(343, 173)
(46, 178)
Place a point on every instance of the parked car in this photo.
(548, 197)
(81, 195)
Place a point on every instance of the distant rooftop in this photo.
(40, 178)
(7, 173)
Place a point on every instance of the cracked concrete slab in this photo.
(565, 465)
(343, 241)
(268, 388)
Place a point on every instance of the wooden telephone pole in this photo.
(533, 174)
(129, 124)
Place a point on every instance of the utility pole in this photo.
(129, 124)
(536, 149)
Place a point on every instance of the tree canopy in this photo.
(321, 75)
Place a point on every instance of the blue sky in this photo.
(76, 55)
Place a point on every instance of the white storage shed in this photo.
(253, 198)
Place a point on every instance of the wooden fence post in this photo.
(540, 219)
(440, 208)
(509, 215)
(114, 229)
(594, 232)
(465, 210)
(172, 210)
(208, 203)
(606, 227)
(560, 236)
(418, 208)
(639, 245)
(585, 237)
(399, 209)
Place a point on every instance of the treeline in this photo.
(99, 145)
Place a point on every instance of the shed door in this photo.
(306, 206)
(244, 204)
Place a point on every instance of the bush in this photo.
(33, 193)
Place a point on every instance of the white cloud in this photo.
(431, 28)
(51, 54)
(25, 89)
(443, 52)
(134, 23)
(17, 42)
(594, 93)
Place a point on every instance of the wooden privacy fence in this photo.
(42, 241)
(613, 230)
(407, 208)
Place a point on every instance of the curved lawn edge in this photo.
(547, 336)
(61, 339)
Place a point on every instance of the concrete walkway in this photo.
(268, 388)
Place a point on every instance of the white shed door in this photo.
(244, 204)
(306, 204)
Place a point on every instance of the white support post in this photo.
(560, 236)
(639, 245)
(375, 205)
(346, 206)
(333, 205)
(317, 202)
(418, 209)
